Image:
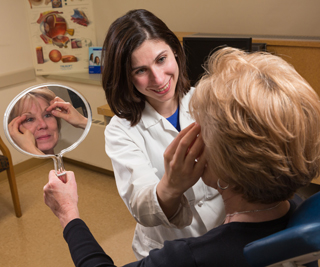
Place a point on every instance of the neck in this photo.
(239, 210)
(165, 109)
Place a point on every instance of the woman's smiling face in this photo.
(155, 71)
(42, 124)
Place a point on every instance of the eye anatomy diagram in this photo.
(61, 32)
(54, 29)
(80, 17)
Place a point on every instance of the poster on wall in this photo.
(61, 32)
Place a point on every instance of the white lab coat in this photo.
(137, 158)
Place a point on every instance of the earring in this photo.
(175, 55)
(222, 188)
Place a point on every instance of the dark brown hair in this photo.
(125, 35)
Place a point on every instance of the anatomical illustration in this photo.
(38, 2)
(61, 32)
(54, 28)
(80, 17)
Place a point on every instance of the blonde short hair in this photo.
(260, 122)
(31, 97)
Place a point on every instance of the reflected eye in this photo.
(28, 120)
(48, 115)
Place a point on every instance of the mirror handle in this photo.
(58, 165)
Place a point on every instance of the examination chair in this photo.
(297, 245)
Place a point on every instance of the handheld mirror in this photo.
(46, 121)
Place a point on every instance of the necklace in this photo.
(251, 211)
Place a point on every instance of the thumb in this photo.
(22, 129)
(67, 177)
(53, 176)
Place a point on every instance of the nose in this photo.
(41, 124)
(157, 77)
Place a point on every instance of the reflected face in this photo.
(42, 124)
(155, 71)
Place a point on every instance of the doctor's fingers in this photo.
(199, 165)
(190, 146)
(195, 150)
(172, 147)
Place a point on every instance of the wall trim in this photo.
(14, 77)
(25, 166)
(89, 166)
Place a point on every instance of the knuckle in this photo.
(184, 143)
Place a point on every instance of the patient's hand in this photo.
(22, 136)
(61, 196)
(64, 110)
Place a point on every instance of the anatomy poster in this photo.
(61, 32)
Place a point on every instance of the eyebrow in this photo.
(139, 67)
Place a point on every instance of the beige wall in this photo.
(93, 94)
(272, 17)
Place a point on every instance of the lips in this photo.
(43, 137)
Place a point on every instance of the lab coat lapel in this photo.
(184, 114)
(150, 117)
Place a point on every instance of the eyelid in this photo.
(27, 119)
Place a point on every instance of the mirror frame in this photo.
(58, 156)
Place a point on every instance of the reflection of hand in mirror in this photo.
(22, 136)
(64, 110)
(30, 117)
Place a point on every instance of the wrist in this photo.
(68, 217)
(169, 200)
(83, 124)
(168, 190)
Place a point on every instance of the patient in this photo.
(35, 121)
(260, 123)
(31, 126)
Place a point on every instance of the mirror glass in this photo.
(47, 120)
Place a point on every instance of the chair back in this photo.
(297, 245)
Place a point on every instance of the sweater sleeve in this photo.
(86, 252)
(84, 249)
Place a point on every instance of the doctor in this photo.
(147, 88)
